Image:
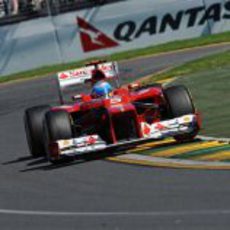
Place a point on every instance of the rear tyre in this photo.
(179, 103)
(33, 122)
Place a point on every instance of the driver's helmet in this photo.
(97, 75)
(101, 89)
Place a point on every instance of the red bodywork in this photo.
(115, 112)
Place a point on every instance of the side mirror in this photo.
(134, 85)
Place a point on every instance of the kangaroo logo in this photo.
(92, 39)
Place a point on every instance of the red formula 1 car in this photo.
(131, 114)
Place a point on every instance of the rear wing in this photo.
(80, 75)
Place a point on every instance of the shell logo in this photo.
(187, 119)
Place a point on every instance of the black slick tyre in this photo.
(179, 103)
(33, 122)
(58, 125)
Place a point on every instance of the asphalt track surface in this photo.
(98, 194)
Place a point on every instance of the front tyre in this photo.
(179, 102)
(57, 127)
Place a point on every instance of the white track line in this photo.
(121, 214)
(205, 138)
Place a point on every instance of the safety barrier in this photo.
(107, 29)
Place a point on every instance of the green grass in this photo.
(209, 82)
(172, 46)
(213, 62)
(211, 92)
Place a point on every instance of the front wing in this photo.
(156, 131)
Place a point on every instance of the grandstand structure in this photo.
(13, 11)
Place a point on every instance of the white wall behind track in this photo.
(131, 24)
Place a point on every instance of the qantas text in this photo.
(129, 30)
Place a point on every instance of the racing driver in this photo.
(100, 87)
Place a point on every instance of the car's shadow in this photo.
(44, 164)
(41, 163)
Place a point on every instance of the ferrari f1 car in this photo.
(128, 115)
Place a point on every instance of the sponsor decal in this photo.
(86, 140)
(160, 126)
(115, 100)
(65, 143)
(93, 39)
(91, 140)
(63, 76)
(73, 74)
(146, 129)
(187, 119)
(169, 127)
(130, 30)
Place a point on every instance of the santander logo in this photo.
(93, 39)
